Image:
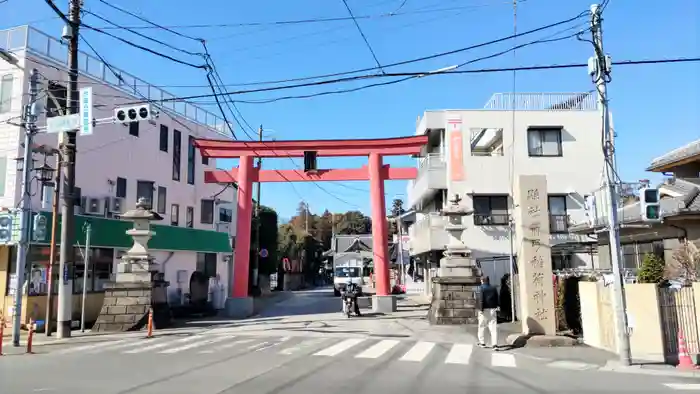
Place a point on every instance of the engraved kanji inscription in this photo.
(534, 210)
(535, 230)
(541, 314)
(537, 262)
(538, 279)
(538, 296)
(533, 194)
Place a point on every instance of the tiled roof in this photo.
(678, 154)
(687, 202)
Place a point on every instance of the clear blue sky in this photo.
(655, 108)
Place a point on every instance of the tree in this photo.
(652, 270)
(685, 263)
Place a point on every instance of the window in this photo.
(558, 218)
(163, 144)
(207, 212)
(99, 270)
(56, 100)
(3, 174)
(134, 129)
(6, 83)
(145, 189)
(491, 210)
(162, 199)
(486, 142)
(206, 264)
(121, 188)
(205, 160)
(544, 142)
(174, 215)
(177, 147)
(189, 220)
(78, 196)
(190, 160)
(225, 215)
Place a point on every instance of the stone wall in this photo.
(125, 307)
(454, 301)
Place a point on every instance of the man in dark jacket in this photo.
(488, 313)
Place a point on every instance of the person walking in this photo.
(488, 313)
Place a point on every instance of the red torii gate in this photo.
(376, 173)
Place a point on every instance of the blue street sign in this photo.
(263, 253)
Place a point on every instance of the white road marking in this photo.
(228, 345)
(162, 344)
(89, 347)
(194, 345)
(257, 345)
(503, 360)
(418, 352)
(122, 346)
(459, 354)
(306, 344)
(339, 347)
(683, 386)
(378, 349)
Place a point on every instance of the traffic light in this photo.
(6, 220)
(310, 164)
(39, 228)
(650, 204)
(134, 114)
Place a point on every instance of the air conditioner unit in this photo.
(115, 205)
(223, 227)
(94, 206)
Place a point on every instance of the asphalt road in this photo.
(224, 361)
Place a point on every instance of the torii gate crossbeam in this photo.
(239, 304)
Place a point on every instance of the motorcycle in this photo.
(347, 306)
(349, 299)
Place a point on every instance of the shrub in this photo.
(652, 270)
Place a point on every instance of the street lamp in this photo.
(45, 174)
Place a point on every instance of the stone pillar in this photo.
(455, 288)
(533, 243)
(137, 285)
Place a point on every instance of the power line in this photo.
(426, 74)
(303, 21)
(364, 37)
(153, 24)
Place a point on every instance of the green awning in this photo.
(111, 233)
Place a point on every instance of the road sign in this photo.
(263, 253)
(86, 111)
(61, 124)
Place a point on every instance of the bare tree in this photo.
(685, 264)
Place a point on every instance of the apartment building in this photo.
(558, 135)
(116, 165)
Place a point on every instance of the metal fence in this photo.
(678, 315)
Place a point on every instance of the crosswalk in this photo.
(358, 348)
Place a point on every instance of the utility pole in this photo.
(256, 260)
(30, 116)
(52, 247)
(86, 269)
(68, 149)
(600, 71)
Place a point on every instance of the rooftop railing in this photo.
(42, 45)
(584, 101)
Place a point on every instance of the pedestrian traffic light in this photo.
(310, 164)
(6, 221)
(39, 227)
(134, 114)
(650, 204)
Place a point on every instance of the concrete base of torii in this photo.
(239, 307)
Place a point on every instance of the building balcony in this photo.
(432, 176)
(428, 234)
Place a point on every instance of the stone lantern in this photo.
(137, 286)
(455, 289)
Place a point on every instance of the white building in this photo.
(116, 165)
(558, 135)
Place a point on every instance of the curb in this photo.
(639, 370)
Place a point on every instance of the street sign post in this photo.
(61, 124)
(86, 111)
(263, 253)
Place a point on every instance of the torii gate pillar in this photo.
(383, 301)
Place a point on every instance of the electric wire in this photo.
(364, 37)
(153, 24)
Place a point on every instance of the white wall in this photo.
(112, 152)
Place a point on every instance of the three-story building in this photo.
(115, 166)
(557, 135)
